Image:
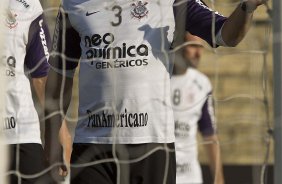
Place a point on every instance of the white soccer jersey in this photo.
(125, 59)
(193, 110)
(25, 54)
(123, 80)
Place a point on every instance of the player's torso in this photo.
(20, 117)
(125, 63)
(124, 43)
(17, 22)
(188, 94)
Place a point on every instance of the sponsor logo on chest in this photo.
(102, 47)
(183, 168)
(182, 129)
(124, 119)
(11, 21)
(9, 123)
(43, 40)
(24, 3)
(10, 65)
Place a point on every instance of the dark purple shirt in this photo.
(199, 20)
(37, 49)
(71, 41)
(206, 124)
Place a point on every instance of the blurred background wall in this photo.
(242, 81)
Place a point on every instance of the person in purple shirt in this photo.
(124, 50)
(199, 21)
(25, 60)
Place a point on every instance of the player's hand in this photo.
(63, 171)
(219, 180)
(255, 3)
(58, 172)
(251, 5)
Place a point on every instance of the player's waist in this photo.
(135, 97)
(106, 116)
(126, 127)
(16, 131)
(21, 108)
(188, 163)
(184, 145)
(21, 123)
(114, 105)
(125, 89)
(188, 171)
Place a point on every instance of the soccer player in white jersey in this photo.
(192, 104)
(124, 51)
(25, 58)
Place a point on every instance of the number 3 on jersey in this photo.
(176, 97)
(118, 18)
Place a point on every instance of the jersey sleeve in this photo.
(37, 48)
(199, 20)
(66, 49)
(207, 124)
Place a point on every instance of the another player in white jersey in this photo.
(25, 56)
(124, 50)
(193, 108)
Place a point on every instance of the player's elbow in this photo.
(231, 38)
(232, 42)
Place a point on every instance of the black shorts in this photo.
(150, 163)
(30, 161)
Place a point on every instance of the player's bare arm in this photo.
(59, 88)
(39, 88)
(56, 84)
(213, 153)
(228, 31)
(66, 142)
(65, 138)
(239, 22)
(210, 136)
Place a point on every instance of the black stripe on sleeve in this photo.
(66, 44)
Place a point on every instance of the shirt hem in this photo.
(23, 141)
(124, 140)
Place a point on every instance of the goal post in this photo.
(277, 58)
